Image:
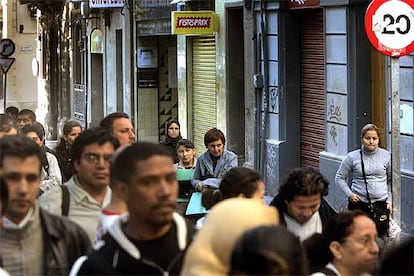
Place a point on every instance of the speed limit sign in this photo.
(389, 25)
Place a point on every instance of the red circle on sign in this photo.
(372, 36)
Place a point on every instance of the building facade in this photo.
(320, 81)
(19, 25)
(102, 60)
(294, 83)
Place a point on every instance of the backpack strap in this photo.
(65, 200)
(44, 161)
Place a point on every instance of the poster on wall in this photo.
(147, 78)
(79, 104)
(147, 57)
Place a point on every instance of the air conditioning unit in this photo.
(26, 18)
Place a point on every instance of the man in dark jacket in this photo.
(300, 202)
(32, 240)
(152, 239)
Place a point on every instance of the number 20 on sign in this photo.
(389, 25)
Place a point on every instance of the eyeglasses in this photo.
(17, 177)
(94, 158)
(173, 128)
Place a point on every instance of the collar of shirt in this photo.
(180, 165)
(304, 230)
(80, 195)
(11, 225)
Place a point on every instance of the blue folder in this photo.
(194, 206)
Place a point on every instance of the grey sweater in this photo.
(22, 249)
(377, 170)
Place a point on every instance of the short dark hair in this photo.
(268, 250)
(339, 227)
(317, 252)
(36, 128)
(303, 182)
(29, 112)
(12, 111)
(124, 165)
(4, 195)
(239, 180)
(210, 197)
(18, 146)
(7, 122)
(212, 135)
(186, 143)
(108, 121)
(91, 136)
(397, 260)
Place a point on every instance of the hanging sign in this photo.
(106, 4)
(389, 25)
(194, 22)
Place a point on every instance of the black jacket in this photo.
(64, 243)
(117, 255)
(325, 210)
(64, 158)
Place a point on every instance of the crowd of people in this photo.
(101, 203)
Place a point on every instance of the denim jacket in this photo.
(204, 168)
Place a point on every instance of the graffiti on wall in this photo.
(333, 133)
(272, 167)
(334, 112)
(273, 93)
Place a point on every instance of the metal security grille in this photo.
(204, 89)
(312, 88)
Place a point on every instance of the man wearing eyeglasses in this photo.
(88, 189)
(33, 241)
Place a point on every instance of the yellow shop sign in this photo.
(194, 22)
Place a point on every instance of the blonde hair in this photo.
(369, 127)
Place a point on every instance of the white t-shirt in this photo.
(3, 272)
(105, 220)
(305, 230)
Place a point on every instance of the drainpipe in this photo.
(264, 90)
(84, 51)
(132, 56)
(258, 88)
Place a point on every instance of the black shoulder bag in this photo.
(378, 210)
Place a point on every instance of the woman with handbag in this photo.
(370, 170)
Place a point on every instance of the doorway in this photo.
(96, 89)
(235, 81)
(312, 87)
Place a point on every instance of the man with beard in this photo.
(82, 198)
(119, 124)
(152, 238)
(33, 241)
